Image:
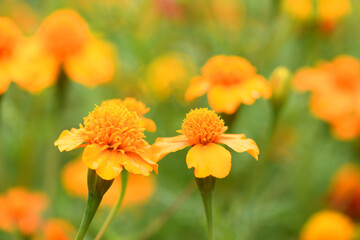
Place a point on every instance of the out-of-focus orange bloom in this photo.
(139, 190)
(229, 81)
(344, 192)
(203, 130)
(169, 74)
(114, 138)
(21, 210)
(64, 39)
(335, 94)
(58, 229)
(10, 36)
(228, 13)
(328, 225)
(139, 107)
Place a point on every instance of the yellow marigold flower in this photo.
(21, 210)
(10, 36)
(114, 138)
(335, 94)
(58, 229)
(229, 81)
(140, 108)
(328, 225)
(169, 73)
(203, 130)
(138, 191)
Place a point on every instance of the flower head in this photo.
(335, 94)
(21, 210)
(203, 130)
(229, 81)
(114, 138)
(328, 225)
(58, 229)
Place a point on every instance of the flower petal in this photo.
(254, 88)
(211, 159)
(240, 144)
(164, 146)
(110, 168)
(137, 165)
(69, 140)
(198, 87)
(149, 124)
(94, 155)
(223, 99)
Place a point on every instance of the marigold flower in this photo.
(328, 225)
(229, 81)
(139, 188)
(58, 229)
(114, 139)
(335, 97)
(21, 210)
(203, 130)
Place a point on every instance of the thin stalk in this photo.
(115, 209)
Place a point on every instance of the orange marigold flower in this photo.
(229, 81)
(344, 192)
(328, 225)
(21, 210)
(139, 190)
(114, 138)
(335, 97)
(58, 229)
(10, 36)
(203, 130)
(140, 108)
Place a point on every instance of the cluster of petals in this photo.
(21, 211)
(328, 225)
(203, 130)
(335, 88)
(113, 137)
(228, 82)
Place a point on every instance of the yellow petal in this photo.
(69, 140)
(93, 65)
(211, 159)
(240, 144)
(223, 99)
(253, 89)
(5, 76)
(149, 124)
(198, 87)
(137, 165)
(164, 146)
(94, 155)
(110, 168)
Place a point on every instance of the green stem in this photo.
(206, 187)
(115, 209)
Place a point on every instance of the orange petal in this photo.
(239, 144)
(223, 99)
(198, 87)
(110, 168)
(164, 146)
(211, 159)
(308, 79)
(137, 165)
(94, 155)
(5, 76)
(149, 124)
(69, 140)
(253, 89)
(93, 65)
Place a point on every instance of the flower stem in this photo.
(97, 188)
(206, 187)
(115, 209)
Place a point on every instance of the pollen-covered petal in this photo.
(93, 65)
(240, 144)
(254, 88)
(94, 155)
(198, 87)
(164, 146)
(110, 168)
(149, 124)
(137, 165)
(223, 99)
(210, 159)
(69, 140)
